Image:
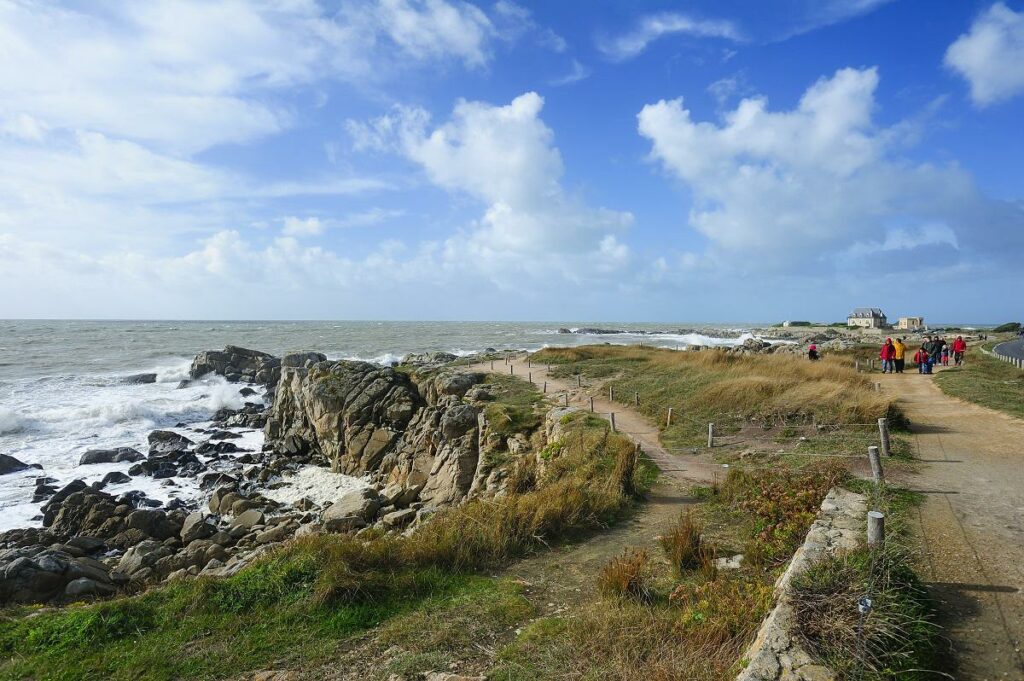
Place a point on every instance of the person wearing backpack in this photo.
(922, 359)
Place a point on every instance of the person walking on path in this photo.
(959, 348)
(899, 359)
(922, 359)
(936, 351)
(888, 354)
(945, 355)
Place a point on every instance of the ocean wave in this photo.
(11, 421)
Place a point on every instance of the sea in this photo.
(63, 388)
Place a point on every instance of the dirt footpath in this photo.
(972, 523)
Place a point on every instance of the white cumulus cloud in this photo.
(778, 189)
(990, 56)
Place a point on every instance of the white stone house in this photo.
(867, 317)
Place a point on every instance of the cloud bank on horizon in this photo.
(447, 159)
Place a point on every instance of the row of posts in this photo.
(1015, 361)
(876, 519)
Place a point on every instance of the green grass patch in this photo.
(516, 408)
(986, 381)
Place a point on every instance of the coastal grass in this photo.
(516, 407)
(679, 617)
(899, 636)
(749, 394)
(297, 604)
(986, 381)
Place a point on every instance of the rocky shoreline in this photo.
(401, 443)
(416, 438)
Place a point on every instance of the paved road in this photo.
(1013, 348)
(972, 523)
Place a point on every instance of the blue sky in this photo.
(571, 160)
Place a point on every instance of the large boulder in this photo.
(414, 434)
(238, 364)
(39, 574)
(352, 511)
(139, 378)
(164, 442)
(8, 464)
(299, 359)
(119, 455)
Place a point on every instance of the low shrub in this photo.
(685, 547)
(627, 576)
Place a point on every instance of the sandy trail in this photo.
(972, 523)
(681, 467)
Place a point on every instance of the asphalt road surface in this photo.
(1014, 348)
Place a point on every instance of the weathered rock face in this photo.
(416, 437)
(238, 364)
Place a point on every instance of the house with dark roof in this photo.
(867, 317)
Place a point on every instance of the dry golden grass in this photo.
(686, 549)
(716, 386)
(627, 576)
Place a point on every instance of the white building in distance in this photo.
(868, 318)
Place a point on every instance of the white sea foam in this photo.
(319, 485)
(10, 421)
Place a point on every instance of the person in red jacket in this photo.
(922, 359)
(888, 355)
(959, 348)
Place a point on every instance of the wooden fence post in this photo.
(636, 398)
(591, 404)
(566, 396)
(883, 433)
(668, 419)
(511, 369)
(612, 415)
(611, 394)
(492, 365)
(579, 381)
(876, 465)
(529, 375)
(876, 529)
(545, 387)
(711, 435)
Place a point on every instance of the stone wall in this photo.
(776, 654)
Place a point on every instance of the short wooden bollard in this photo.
(612, 415)
(878, 387)
(545, 387)
(876, 465)
(529, 363)
(883, 436)
(529, 375)
(876, 528)
(636, 399)
(711, 435)
(511, 369)
(856, 366)
(579, 381)
(492, 365)
(566, 396)
(668, 419)
(591, 404)
(611, 394)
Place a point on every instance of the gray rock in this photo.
(83, 586)
(248, 519)
(8, 464)
(351, 511)
(399, 518)
(139, 378)
(119, 455)
(196, 527)
(143, 555)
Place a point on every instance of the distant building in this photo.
(867, 317)
(910, 323)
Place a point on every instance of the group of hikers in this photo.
(933, 351)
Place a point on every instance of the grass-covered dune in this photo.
(725, 388)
